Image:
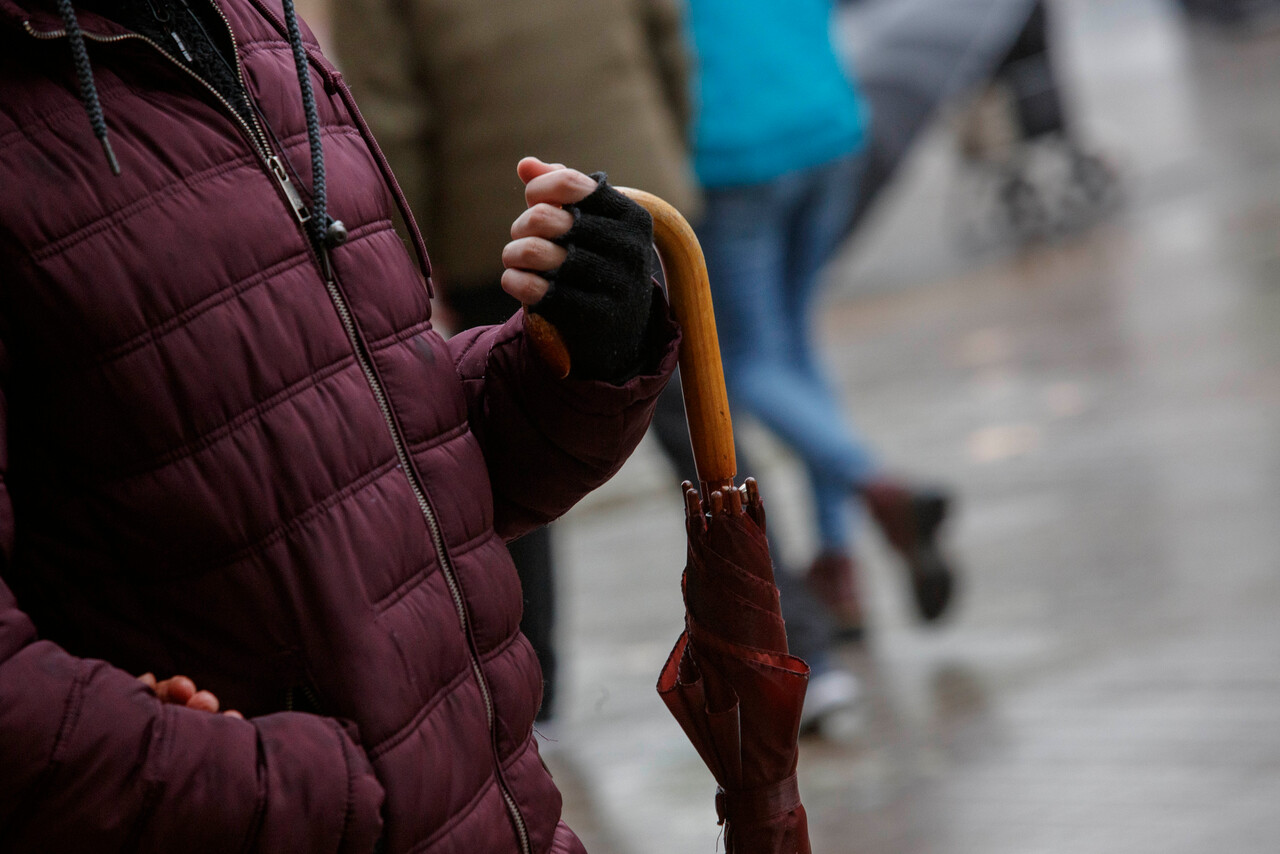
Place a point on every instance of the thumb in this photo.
(531, 167)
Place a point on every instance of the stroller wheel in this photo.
(1094, 177)
(1092, 189)
(1024, 208)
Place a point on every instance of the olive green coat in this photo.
(457, 91)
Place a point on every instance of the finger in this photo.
(232, 713)
(531, 167)
(524, 286)
(148, 679)
(561, 187)
(203, 701)
(542, 220)
(533, 253)
(177, 690)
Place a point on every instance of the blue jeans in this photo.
(766, 245)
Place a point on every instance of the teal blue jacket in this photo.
(770, 93)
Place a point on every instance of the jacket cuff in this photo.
(342, 799)
(601, 397)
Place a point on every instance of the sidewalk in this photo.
(1109, 408)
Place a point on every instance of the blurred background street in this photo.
(1106, 404)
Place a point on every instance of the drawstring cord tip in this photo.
(111, 156)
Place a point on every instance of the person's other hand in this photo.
(181, 691)
(533, 250)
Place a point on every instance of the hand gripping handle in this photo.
(706, 402)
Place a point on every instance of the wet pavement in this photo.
(1107, 405)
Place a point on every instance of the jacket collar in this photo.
(37, 17)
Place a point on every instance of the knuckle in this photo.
(511, 283)
(542, 217)
(524, 286)
(516, 253)
(521, 225)
(535, 253)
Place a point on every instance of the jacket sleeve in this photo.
(90, 760)
(548, 441)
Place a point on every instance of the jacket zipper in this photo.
(433, 525)
(276, 167)
(437, 538)
(310, 698)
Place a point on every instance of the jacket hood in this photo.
(43, 17)
(74, 31)
(39, 20)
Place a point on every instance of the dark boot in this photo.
(910, 519)
(833, 579)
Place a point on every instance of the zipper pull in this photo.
(300, 210)
(186, 54)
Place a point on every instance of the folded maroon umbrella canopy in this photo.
(729, 681)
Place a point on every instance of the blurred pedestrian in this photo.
(778, 142)
(456, 91)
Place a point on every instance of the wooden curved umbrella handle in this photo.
(706, 402)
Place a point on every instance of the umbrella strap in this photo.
(744, 807)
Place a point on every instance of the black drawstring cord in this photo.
(325, 232)
(84, 75)
(319, 216)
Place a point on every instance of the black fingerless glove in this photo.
(600, 297)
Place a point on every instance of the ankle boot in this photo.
(833, 579)
(910, 520)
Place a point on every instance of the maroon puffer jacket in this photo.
(213, 465)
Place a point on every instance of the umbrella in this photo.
(729, 681)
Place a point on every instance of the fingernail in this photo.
(204, 699)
